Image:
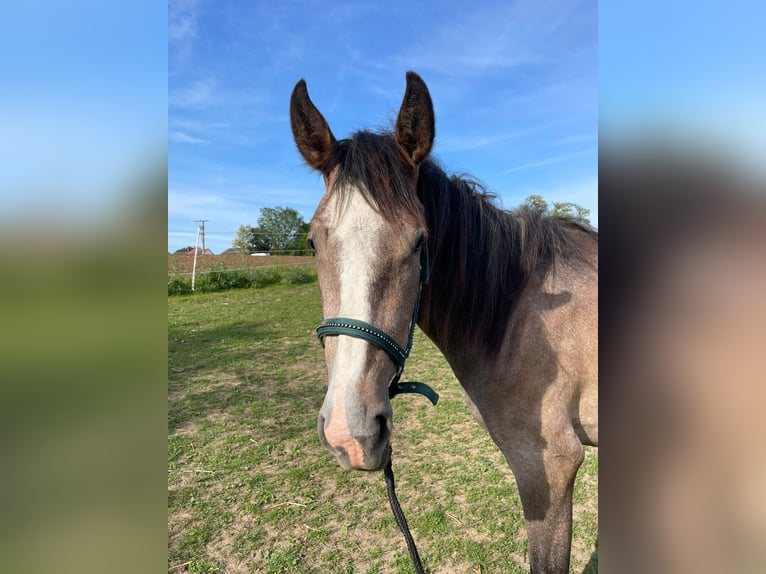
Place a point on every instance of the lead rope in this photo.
(388, 472)
(401, 521)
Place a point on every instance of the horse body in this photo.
(511, 303)
(537, 393)
(538, 404)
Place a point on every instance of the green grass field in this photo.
(250, 489)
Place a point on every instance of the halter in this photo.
(384, 341)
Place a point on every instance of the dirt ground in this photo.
(181, 263)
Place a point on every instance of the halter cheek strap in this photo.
(382, 340)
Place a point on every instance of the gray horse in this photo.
(511, 303)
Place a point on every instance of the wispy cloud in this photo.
(196, 125)
(231, 204)
(182, 20)
(550, 160)
(197, 95)
(183, 30)
(207, 93)
(182, 137)
(450, 143)
(225, 214)
(520, 33)
(186, 201)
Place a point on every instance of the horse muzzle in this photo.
(365, 446)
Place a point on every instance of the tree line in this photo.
(283, 231)
(559, 209)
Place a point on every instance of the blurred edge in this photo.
(682, 204)
(83, 357)
(683, 379)
(83, 349)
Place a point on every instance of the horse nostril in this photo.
(320, 428)
(383, 431)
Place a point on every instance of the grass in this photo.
(219, 278)
(250, 489)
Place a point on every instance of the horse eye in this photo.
(419, 245)
(310, 242)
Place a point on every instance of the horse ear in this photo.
(311, 132)
(415, 123)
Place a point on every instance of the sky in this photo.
(514, 86)
(94, 96)
(83, 109)
(689, 70)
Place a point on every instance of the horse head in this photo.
(368, 235)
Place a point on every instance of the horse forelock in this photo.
(372, 164)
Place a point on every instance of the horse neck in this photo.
(471, 285)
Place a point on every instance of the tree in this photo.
(537, 202)
(279, 230)
(559, 209)
(298, 245)
(571, 210)
(282, 226)
(250, 239)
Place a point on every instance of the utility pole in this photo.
(202, 221)
(194, 265)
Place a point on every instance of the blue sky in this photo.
(83, 114)
(514, 86)
(688, 70)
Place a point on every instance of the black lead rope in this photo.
(401, 521)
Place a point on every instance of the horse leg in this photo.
(545, 470)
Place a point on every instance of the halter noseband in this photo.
(384, 341)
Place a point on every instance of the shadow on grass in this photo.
(196, 348)
(592, 566)
(243, 367)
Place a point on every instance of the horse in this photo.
(508, 297)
